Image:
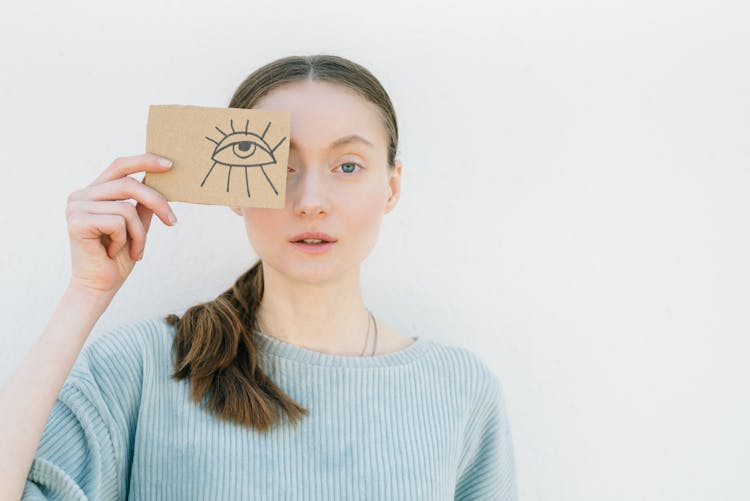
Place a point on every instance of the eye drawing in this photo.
(243, 149)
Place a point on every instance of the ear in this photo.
(394, 186)
(236, 210)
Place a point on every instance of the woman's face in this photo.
(342, 190)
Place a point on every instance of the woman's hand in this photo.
(108, 233)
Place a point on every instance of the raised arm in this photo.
(27, 398)
(107, 236)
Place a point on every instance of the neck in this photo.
(328, 317)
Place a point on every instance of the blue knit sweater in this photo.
(427, 422)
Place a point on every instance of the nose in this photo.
(308, 193)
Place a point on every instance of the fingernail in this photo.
(172, 218)
(140, 256)
(164, 162)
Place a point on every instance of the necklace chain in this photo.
(370, 316)
(367, 336)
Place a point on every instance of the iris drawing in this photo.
(243, 149)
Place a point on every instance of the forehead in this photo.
(324, 113)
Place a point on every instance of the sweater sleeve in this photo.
(487, 469)
(86, 447)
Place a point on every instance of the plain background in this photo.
(574, 209)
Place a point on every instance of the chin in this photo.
(308, 270)
(315, 276)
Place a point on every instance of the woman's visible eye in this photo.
(348, 167)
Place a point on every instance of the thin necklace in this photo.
(367, 335)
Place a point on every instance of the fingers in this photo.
(123, 189)
(117, 234)
(144, 214)
(108, 228)
(126, 222)
(124, 166)
(101, 211)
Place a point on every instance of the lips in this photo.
(314, 249)
(316, 235)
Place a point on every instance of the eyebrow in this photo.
(342, 141)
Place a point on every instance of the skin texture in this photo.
(315, 301)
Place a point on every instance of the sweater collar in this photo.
(296, 353)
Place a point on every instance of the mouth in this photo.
(313, 241)
(313, 238)
(309, 246)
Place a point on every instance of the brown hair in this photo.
(213, 344)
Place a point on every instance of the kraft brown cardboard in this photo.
(221, 156)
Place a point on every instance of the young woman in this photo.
(285, 386)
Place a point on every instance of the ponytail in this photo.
(214, 350)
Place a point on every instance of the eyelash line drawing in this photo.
(249, 144)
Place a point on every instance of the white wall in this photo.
(574, 208)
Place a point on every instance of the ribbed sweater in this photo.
(427, 422)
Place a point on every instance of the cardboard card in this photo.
(221, 156)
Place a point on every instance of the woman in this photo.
(285, 386)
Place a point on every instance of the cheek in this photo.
(363, 211)
(262, 226)
(369, 206)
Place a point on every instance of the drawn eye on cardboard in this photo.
(243, 149)
(245, 166)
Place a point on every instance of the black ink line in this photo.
(209, 173)
(274, 148)
(267, 179)
(264, 147)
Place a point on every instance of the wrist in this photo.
(87, 298)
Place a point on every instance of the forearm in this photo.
(26, 400)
